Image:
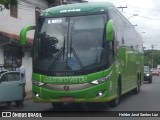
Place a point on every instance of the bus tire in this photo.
(116, 101)
(137, 89)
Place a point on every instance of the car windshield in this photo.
(146, 69)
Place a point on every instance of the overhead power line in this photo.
(145, 8)
(148, 28)
(143, 16)
(150, 18)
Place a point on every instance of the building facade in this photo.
(11, 23)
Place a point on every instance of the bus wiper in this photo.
(79, 61)
(59, 54)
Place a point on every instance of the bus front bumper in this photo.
(96, 93)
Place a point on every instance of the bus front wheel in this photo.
(116, 101)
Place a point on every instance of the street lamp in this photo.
(133, 15)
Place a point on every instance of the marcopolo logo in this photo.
(70, 10)
(80, 79)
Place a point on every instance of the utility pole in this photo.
(152, 55)
(122, 7)
(152, 46)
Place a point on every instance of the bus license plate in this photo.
(67, 99)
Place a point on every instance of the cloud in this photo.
(148, 19)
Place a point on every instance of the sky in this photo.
(147, 20)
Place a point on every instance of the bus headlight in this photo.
(101, 80)
(37, 83)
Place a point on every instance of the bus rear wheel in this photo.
(137, 89)
(116, 101)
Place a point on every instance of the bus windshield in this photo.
(70, 43)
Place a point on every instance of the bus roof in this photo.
(78, 8)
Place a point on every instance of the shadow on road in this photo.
(88, 107)
(81, 107)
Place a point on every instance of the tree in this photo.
(149, 54)
(8, 3)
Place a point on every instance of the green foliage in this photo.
(148, 55)
(7, 3)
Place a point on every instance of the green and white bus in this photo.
(84, 52)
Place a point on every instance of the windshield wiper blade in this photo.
(59, 54)
(79, 61)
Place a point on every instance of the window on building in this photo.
(11, 54)
(14, 11)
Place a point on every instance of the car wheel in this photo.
(9, 104)
(150, 80)
(19, 104)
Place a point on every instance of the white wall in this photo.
(26, 16)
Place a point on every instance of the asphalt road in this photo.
(147, 100)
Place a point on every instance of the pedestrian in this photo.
(20, 68)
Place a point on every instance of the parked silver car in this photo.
(11, 89)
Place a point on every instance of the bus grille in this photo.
(67, 87)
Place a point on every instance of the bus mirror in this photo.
(109, 31)
(23, 34)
